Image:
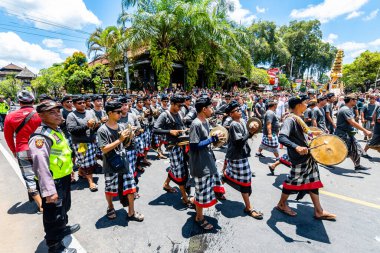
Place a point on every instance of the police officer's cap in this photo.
(47, 105)
(123, 100)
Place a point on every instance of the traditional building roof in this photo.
(11, 67)
(26, 74)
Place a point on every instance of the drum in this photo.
(328, 149)
(254, 125)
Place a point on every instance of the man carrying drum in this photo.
(304, 174)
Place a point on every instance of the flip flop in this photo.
(329, 217)
(94, 188)
(111, 214)
(290, 213)
(259, 215)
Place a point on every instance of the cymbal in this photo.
(255, 124)
(219, 130)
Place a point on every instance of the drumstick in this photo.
(324, 143)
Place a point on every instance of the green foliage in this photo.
(10, 86)
(259, 76)
(364, 67)
(162, 61)
(49, 81)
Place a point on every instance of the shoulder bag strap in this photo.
(23, 123)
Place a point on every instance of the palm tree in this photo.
(109, 44)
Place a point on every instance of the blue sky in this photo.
(38, 33)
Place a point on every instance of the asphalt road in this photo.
(169, 227)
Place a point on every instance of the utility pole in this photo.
(291, 70)
(125, 55)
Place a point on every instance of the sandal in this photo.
(220, 196)
(111, 213)
(136, 195)
(140, 169)
(189, 204)
(258, 216)
(94, 188)
(271, 170)
(287, 212)
(204, 224)
(136, 217)
(169, 190)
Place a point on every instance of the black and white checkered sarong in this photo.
(304, 176)
(239, 172)
(139, 144)
(177, 171)
(112, 183)
(86, 159)
(205, 188)
(270, 145)
(132, 159)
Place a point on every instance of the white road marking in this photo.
(68, 241)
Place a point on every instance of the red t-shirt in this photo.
(12, 121)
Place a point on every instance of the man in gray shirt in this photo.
(318, 117)
(345, 129)
(202, 162)
(82, 126)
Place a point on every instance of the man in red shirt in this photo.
(18, 142)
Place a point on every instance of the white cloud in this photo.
(328, 10)
(260, 10)
(372, 15)
(20, 52)
(357, 53)
(331, 38)
(53, 43)
(69, 51)
(72, 13)
(354, 14)
(352, 46)
(241, 15)
(375, 43)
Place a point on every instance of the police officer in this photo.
(4, 108)
(52, 164)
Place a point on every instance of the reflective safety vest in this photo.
(4, 107)
(60, 162)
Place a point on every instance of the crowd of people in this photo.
(62, 139)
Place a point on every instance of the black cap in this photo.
(96, 97)
(232, 105)
(123, 100)
(330, 95)
(112, 105)
(147, 97)
(293, 101)
(164, 97)
(177, 99)
(65, 98)
(321, 98)
(139, 98)
(78, 98)
(201, 103)
(86, 97)
(47, 105)
(187, 97)
(44, 97)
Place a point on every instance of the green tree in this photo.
(10, 86)
(49, 81)
(75, 72)
(363, 68)
(109, 44)
(259, 76)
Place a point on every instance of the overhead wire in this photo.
(40, 20)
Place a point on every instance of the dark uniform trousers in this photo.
(55, 216)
